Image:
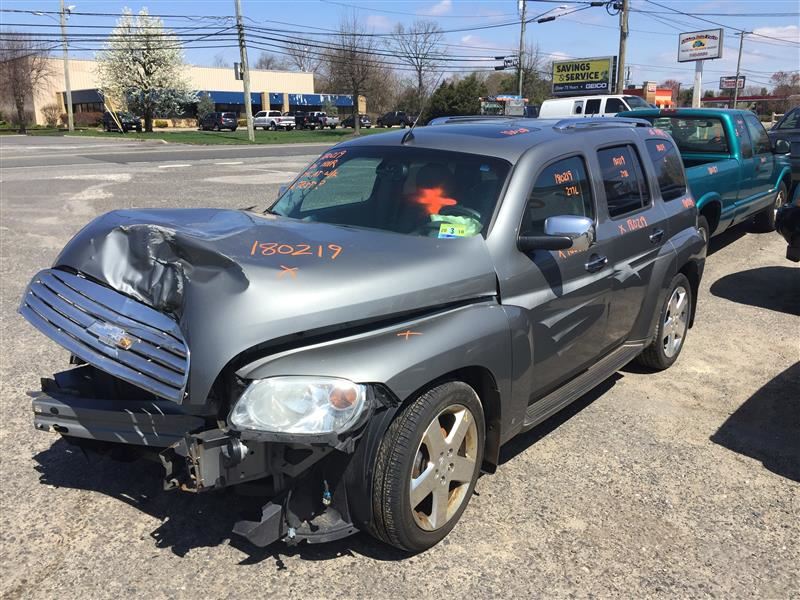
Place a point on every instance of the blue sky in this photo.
(652, 44)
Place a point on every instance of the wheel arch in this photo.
(693, 273)
(710, 206)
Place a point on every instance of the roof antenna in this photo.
(409, 136)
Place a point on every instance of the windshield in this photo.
(406, 190)
(697, 135)
(635, 102)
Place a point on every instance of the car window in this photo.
(668, 168)
(623, 181)
(408, 190)
(593, 106)
(562, 188)
(615, 105)
(697, 135)
(791, 120)
(740, 130)
(229, 115)
(635, 102)
(260, 114)
(758, 134)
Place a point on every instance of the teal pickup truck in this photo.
(733, 170)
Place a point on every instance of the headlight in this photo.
(310, 405)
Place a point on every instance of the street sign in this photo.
(731, 82)
(700, 45)
(510, 62)
(584, 76)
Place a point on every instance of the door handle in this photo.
(656, 236)
(596, 263)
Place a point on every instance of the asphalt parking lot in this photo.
(684, 483)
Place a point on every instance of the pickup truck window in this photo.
(593, 106)
(626, 190)
(790, 121)
(743, 136)
(669, 170)
(405, 190)
(562, 188)
(696, 135)
(758, 134)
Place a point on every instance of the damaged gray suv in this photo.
(363, 347)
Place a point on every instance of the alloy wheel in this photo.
(676, 321)
(444, 467)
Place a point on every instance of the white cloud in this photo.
(440, 8)
(379, 23)
(789, 33)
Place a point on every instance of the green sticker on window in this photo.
(451, 230)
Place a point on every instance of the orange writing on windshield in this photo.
(434, 199)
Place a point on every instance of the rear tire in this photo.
(765, 220)
(671, 328)
(427, 466)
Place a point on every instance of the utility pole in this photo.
(64, 11)
(248, 107)
(623, 42)
(738, 66)
(522, 6)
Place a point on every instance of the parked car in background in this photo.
(363, 350)
(363, 121)
(734, 171)
(273, 120)
(128, 121)
(308, 120)
(391, 119)
(217, 121)
(787, 221)
(590, 106)
(788, 128)
(329, 121)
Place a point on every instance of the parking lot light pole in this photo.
(64, 11)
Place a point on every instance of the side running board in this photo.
(577, 387)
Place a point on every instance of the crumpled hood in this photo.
(234, 280)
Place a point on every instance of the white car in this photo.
(589, 106)
(273, 120)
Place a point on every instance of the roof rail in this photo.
(598, 122)
(472, 118)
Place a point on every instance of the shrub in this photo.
(242, 122)
(88, 119)
(160, 123)
(52, 114)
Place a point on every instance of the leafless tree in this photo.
(24, 67)
(354, 60)
(419, 47)
(220, 61)
(269, 62)
(302, 57)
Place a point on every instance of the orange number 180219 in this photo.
(330, 251)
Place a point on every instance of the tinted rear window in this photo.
(229, 115)
(669, 169)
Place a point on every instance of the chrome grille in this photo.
(115, 333)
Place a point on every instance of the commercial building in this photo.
(271, 90)
(652, 94)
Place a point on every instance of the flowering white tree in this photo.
(142, 67)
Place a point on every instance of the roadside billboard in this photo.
(731, 83)
(700, 45)
(584, 76)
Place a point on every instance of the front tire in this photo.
(427, 466)
(672, 326)
(765, 220)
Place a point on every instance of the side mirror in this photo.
(561, 233)
(781, 147)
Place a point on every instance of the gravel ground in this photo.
(683, 483)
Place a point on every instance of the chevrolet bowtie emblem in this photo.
(111, 335)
